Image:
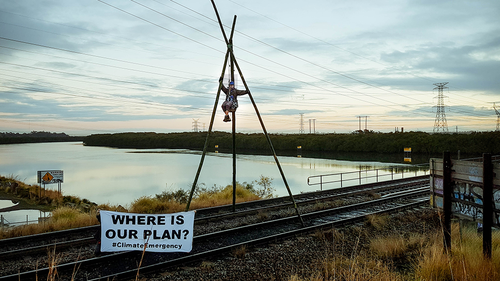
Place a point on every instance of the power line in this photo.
(176, 33)
(311, 84)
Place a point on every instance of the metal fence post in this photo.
(487, 204)
(447, 195)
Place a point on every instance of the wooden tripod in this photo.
(232, 58)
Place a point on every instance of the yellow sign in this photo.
(407, 149)
(47, 178)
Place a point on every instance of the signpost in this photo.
(50, 177)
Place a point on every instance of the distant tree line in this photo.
(474, 143)
(35, 136)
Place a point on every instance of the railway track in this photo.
(219, 213)
(213, 242)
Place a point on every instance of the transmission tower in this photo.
(301, 131)
(498, 117)
(440, 122)
(195, 125)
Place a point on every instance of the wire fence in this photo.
(4, 223)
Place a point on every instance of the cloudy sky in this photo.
(93, 66)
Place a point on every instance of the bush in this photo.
(180, 196)
(152, 205)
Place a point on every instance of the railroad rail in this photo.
(12, 247)
(209, 244)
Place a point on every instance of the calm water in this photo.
(119, 176)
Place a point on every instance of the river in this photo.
(119, 176)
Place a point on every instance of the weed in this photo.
(466, 261)
(377, 221)
(262, 216)
(320, 206)
(207, 265)
(240, 252)
(392, 247)
(372, 194)
(53, 261)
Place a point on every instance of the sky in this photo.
(323, 66)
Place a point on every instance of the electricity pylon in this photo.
(195, 125)
(440, 122)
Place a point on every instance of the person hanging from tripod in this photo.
(231, 102)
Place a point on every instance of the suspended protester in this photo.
(231, 102)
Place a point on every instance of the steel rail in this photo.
(62, 245)
(289, 223)
(124, 275)
(245, 208)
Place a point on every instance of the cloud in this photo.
(293, 112)
(462, 66)
(379, 57)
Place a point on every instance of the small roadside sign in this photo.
(407, 151)
(50, 176)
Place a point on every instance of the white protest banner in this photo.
(152, 232)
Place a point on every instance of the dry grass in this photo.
(33, 194)
(72, 217)
(377, 221)
(240, 252)
(466, 261)
(224, 196)
(404, 256)
(150, 205)
(62, 218)
(262, 216)
(392, 247)
(358, 268)
(53, 260)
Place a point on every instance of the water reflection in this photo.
(20, 217)
(6, 204)
(119, 176)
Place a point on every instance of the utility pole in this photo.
(498, 117)
(314, 126)
(366, 122)
(440, 122)
(301, 131)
